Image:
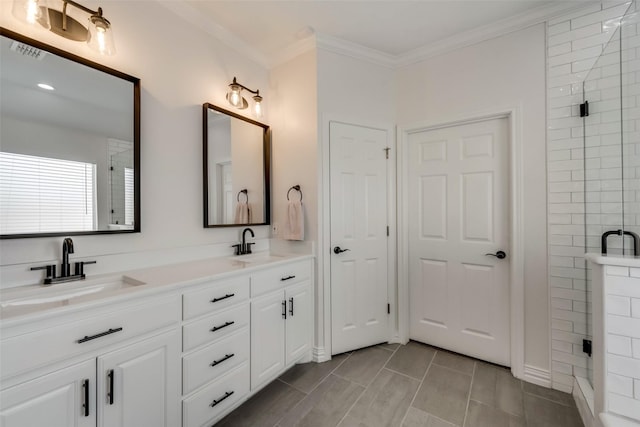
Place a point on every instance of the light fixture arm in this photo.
(235, 83)
(81, 7)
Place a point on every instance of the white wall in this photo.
(180, 68)
(505, 72)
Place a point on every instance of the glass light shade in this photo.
(101, 35)
(257, 107)
(234, 96)
(31, 12)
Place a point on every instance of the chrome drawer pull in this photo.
(215, 402)
(224, 297)
(287, 278)
(227, 356)
(215, 328)
(102, 334)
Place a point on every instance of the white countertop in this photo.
(618, 260)
(33, 302)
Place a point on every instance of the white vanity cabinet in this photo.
(281, 320)
(118, 378)
(215, 344)
(64, 398)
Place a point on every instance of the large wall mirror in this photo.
(236, 154)
(69, 143)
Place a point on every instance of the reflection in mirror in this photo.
(236, 169)
(70, 143)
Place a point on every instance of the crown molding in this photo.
(193, 17)
(487, 32)
(354, 50)
(292, 51)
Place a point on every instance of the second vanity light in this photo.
(235, 98)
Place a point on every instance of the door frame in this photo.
(516, 229)
(323, 326)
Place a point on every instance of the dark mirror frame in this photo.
(136, 133)
(266, 155)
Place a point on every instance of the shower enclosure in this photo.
(611, 159)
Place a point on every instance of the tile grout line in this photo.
(419, 387)
(466, 410)
(365, 387)
(311, 391)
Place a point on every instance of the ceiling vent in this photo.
(27, 50)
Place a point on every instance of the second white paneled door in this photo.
(359, 165)
(458, 187)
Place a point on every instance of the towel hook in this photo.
(297, 188)
(246, 194)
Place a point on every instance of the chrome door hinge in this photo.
(386, 152)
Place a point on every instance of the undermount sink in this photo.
(258, 258)
(36, 297)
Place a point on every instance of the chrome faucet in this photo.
(246, 247)
(65, 267)
(67, 248)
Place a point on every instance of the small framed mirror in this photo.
(236, 169)
(70, 153)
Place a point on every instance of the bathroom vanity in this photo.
(180, 344)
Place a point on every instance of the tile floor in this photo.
(403, 386)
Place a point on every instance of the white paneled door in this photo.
(458, 216)
(359, 167)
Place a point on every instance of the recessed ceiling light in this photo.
(45, 86)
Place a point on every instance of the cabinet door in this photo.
(267, 337)
(299, 321)
(54, 400)
(137, 385)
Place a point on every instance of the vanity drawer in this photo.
(215, 399)
(215, 296)
(214, 361)
(202, 331)
(277, 277)
(36, 349)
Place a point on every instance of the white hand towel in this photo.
(242, 213)
(294, 228)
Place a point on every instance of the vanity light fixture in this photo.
(96, 33)
(235, 98)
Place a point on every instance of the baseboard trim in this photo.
(319, 355)
(541, 377)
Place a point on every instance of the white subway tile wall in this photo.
(623, 343)
(585, 170)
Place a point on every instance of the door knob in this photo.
(338, 250)
(499, 255)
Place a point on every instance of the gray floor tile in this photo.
(326, 405)
(541, 412)
(509, 395)
(455, 361)
(391, 347)
(417, 418)
(305, 377)
(384, 402)
(265, 408)
(412, 359)
(481, 415)
(363, 365)
(550, 394)
(484, 385)
(444, 393)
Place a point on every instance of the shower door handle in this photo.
(499, 255)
